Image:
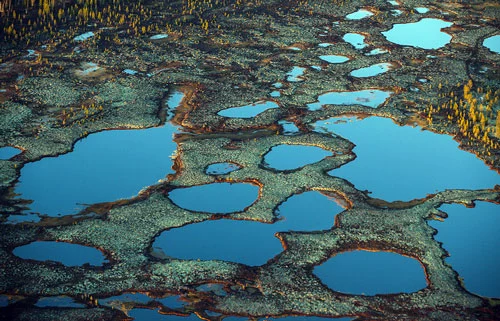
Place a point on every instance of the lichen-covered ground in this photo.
(222, 54)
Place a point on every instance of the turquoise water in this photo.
(493, 43)
(287, 157)
(248, 111)
(425, 34)
(358, 15)
(296, 74)
(402, 162)
(372, 70)
(470, 235)
(236, 241)
(356, 40)
(371, 273)
(8, 152)
(65, 253)
(220, 198)
(368, 97)
(334, 59)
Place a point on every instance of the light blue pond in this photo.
(220, 198)
(422, 9)
(493, 43)
(371, 273)
(154, 315)
(8, 152)
(290, 157)
(470, 235)
(66, 253)
(295, 75)
(403, 162)
(59, 302)
(275, 94)
(360, 14)
(425, 34)
(173, 102)
(372, 70)
(368, 97)
(334, 59)
(357, 40)
(236, 241)
(377, 51)
(248, 111)
(221, 168)
(289, 128)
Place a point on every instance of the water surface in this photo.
(248, 111)
(360, 14)
(402, 162)
(220, 198)
(371, 273)
(493, 43)
(357, 40)
(368, 97)
(236, 241)
(372, 70)
(289, 157)
(296, 74)
(59, 302)
(65, 253)
(8, 152)
(425, 34)
(334, 59)
(470, 235)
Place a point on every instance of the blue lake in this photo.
(360, 14)
(296, 74)
(248, 111)
(221, 168)
(103, 167)
(371, 273)
(403, 162)
(425, 34)
(290, 157)
(334, 59)
(58, 301)
(154, 315)
(357, 40)
(220, 198)
(372, 70)
(8, 152)
(493, 43)
(470, 235)
(66, 253)
(236, 241)
(368, 97)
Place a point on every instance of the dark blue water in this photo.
(8, 152)
(425, 34)
(154, 315)
(334, 59)
(171, 302)
(372, 70)
(248, 111)
(221, 168)
(236, 241)
(58, 301)
(66, 253)
(289, 157)
(4, 301)
(403, 162)
(493, 43)
(291, 318)
(221, 198)
(368, 97)
(371, 273)
(471, 236)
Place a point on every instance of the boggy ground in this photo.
(220, 56)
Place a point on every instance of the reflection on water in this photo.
(66, 253)
(248, 111)
(221, 198)
(8, 152)
(289, 157)
(236, 241)
(470, 235)
(402, 162)
(368, 97)
(371, 273)
(425, 34)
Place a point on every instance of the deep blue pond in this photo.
(8, 152)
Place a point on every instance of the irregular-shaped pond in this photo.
(360, 14)
(248, 111)
(221, 168)
(139, 314)
(357, 40)
(470, 235)
(368, 97)
(402, 162)
(425, 34)
(66, 253)
(236, 241)
(493, 43)
(371, 273)
(102, 167)
(372, 70)
(334, 59)
(8, 152)
(220, 198)
(287, 157)
(296, 74)
(59, 302)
